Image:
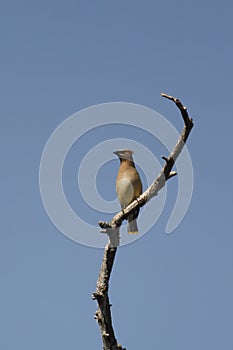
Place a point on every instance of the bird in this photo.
(128, 186)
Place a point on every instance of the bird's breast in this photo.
(125, 191)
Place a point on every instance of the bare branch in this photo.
(165, 174)
(172, 173)
(103, 314)
(183, 110)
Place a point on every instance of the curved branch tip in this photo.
(164, 158)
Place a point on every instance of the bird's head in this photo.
(124, 154)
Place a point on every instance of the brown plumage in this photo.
(128, 185)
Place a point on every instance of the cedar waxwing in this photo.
(128, 185)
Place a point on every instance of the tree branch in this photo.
(165, 174)
(103, 314)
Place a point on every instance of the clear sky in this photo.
(58, 57)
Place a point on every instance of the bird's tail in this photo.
(132, 223)
(132, 227)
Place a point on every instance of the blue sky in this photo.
(168, 291)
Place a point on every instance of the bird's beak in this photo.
(116, 153)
